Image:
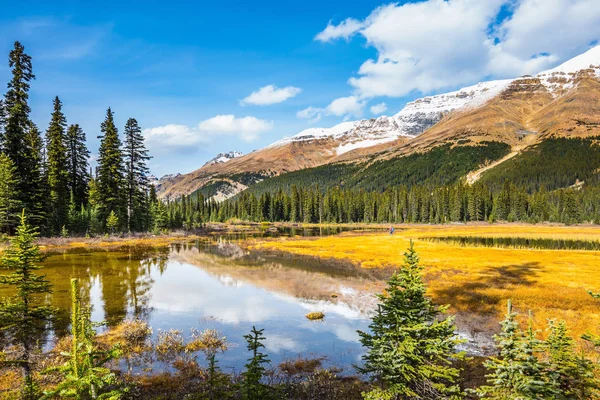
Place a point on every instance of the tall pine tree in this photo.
(135, 156)
(16, 143)
(77, 158)
(57, 168)
(110, 170)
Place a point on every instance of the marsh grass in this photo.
(315, 315)
(477, 279)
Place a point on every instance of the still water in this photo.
(213, 283)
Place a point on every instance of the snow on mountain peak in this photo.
(419, 115)
(224, 157)
(589, 59)
(563, 77)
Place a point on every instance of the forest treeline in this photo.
(417, 204)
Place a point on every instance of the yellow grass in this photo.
(315, 315)
(550, 283)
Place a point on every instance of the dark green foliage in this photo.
(21, 139)
(551, 164)
(573, 373)
(77, 158)
(110, 170)
(325, 176)
(135, 157)
(439, 166)
(85, 374)
(2, 124)
(9, 204)
(517, 374)
(252, 387)
(57, 168)
(25, 315)
(410, 346)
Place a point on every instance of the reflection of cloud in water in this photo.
(277, 343)
(346, 333)
(198, 292)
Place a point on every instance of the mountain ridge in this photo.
(508, 111)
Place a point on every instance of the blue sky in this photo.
(175, 66)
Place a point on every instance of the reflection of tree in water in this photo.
(123, 277)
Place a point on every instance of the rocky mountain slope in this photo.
(563, 101)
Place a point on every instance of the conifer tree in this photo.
(77, 159)
(25, 315)
(110, 170)
(58, 168)
(517, 373)
(252, 387)
(573, 373)
(410, 347)
(24, 151)
(136, 177)
(9, 204)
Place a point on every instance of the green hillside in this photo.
(554, 163)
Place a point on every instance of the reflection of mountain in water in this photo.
(314, 284)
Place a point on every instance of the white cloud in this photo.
(163, 139)
(348, 107)
(313, 114)
(378, 108)
(435, 44)
(346, 29)
(247, 128)
(270, 94)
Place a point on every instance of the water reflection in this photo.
(221, 286)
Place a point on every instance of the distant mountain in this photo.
(517, 113)
(224, 157)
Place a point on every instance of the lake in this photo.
(214, 283)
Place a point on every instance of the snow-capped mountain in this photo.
(224, 157)
(416, 117)
(554, 102)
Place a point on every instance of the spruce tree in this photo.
(573, 373)
(252, 388)
(77, 159)
(25, 315)
(517, 373)
(110, 170)
(24, 152)
(136, 174)
(409, 349)
(9, 204)
(58, 168)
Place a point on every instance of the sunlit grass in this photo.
(474, 279)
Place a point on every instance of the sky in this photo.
(208, 77)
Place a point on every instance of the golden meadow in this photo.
(476, 279)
